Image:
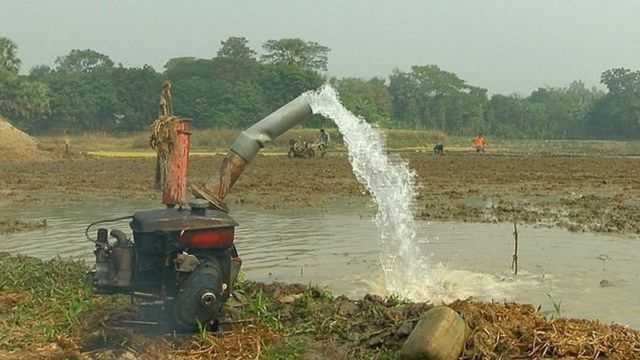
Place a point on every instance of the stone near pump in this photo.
(439, 335)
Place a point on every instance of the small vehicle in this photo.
(300, 148)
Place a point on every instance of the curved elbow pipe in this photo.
(246, 146)
(121, 238)
(250, 141)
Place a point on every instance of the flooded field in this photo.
(580, 193)
(586, 275)
(311, 222)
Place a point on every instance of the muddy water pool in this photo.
(583, 274)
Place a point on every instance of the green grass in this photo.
(285, 349)
(52, 297)
(48, 301)
(260, 306)
(557, 308)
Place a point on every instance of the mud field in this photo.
(278, 321)
(598, 194)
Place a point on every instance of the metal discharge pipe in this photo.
(246, 146)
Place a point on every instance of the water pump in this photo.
(183, 258)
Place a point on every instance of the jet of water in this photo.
(391, 185)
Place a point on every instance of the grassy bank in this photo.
(48, 311)
(40, 300)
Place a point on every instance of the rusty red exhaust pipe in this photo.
(175, 186)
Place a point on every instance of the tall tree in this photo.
(621, 80)
(25, 102)
(137, 93)
(186, 67)
(178, 61)
(282, 83)
(32, 104)
(40, 71)
(235, 62)
(582, 100)
(562, 110)
(507, 116)
(85, 61)
(9, 55)
(367, 98)
(429, 97)
(236, 48)
(404, 92)
(305, 55)
(617, 115)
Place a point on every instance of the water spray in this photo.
(391, 184)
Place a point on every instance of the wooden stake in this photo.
(514, 259)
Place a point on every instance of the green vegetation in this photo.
(285, 350)
(87, 92)
(259, 306)
(40, 300)
(47, 308)
(47, 311)
(555, 312)
(557, 304)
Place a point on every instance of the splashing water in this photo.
(391, 185)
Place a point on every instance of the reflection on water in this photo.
(340, 250)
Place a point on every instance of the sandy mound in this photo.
(17, 145)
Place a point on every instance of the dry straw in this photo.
(518, 331)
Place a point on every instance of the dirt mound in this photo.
(17, 145)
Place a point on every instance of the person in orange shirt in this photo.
(479, 143)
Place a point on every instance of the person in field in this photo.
(323, 142)
(438, 149)
(479, 143)
(324, 137)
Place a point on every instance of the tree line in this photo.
(86, 91)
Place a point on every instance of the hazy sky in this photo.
(504, 45)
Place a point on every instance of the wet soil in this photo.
(580, 193)
(9, 226)
(276, 321)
